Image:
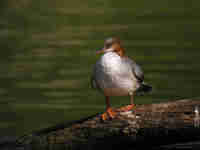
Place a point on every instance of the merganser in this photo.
(115, 74)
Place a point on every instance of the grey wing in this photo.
(93, 81)
(137, 70)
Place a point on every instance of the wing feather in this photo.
(137, 70)
(93, 81)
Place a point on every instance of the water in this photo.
(48, 50)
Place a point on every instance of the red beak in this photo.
(104, 50)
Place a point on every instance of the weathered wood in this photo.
(144, 126)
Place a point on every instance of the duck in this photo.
(115, 74)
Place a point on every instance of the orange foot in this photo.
(126, 108)
(109, 114)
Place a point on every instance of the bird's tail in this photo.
(144, 88)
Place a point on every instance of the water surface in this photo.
(48, 51)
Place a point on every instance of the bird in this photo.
(115, 74)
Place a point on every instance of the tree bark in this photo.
(145, 126)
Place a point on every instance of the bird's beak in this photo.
(105, 50)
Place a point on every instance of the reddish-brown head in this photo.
(112, 45)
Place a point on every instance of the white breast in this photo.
(114, 76)
(111, 63)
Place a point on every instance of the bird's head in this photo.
(112, 44)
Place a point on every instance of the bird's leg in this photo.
(128, 107)
(132, 99)
(110, 113)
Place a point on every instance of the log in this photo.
(145, 126)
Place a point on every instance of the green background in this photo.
(47, 51)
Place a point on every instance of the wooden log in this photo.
(145, 126)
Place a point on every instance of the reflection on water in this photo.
(47, 54)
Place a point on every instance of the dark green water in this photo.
(48, 50)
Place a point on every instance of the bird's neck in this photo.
(121, 52)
